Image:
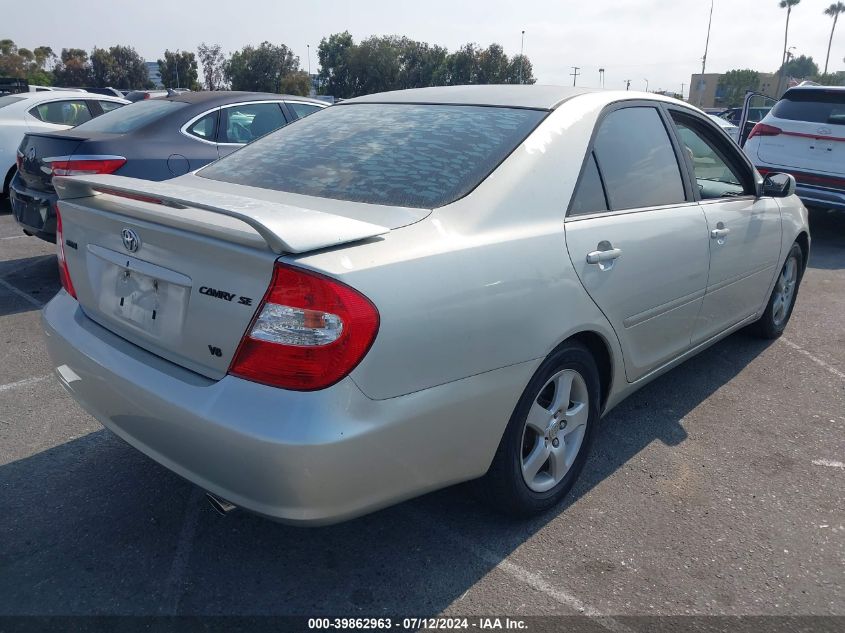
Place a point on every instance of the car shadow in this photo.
(827, 232)
(34, 277)
(91, 526)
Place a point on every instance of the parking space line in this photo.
(13, 237)
(24, 382)
(21, 294)
(813, 358)
(829, 462)
(524, 576)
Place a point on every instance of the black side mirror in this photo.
(779, 185)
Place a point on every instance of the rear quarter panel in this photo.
(484, 282)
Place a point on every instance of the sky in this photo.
(661, 41)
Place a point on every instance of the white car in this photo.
(804, 135)
(729, 128)
(46, 111)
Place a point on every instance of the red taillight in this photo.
(308, 333)
(64, 273)
(86, 166)
(763, 129)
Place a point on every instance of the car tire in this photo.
(515, 484)
(782, 300)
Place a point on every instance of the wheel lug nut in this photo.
(562, 424)
(555, 442)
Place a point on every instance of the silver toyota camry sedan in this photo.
(414, 289)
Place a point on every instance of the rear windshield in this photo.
(394, 154)
(9, 100)
(130, 117)
(814, 106)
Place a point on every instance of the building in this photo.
(154, 74)
(705, 91)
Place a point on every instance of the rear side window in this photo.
(589, 197)
(813, 106)
(245, 123)
(636, 160)
(108, 106)
(407, 155)
(71, 112)
(205, 127)
(132, 117)
(301, 109)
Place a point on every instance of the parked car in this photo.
(155, 139)
(141, 95)
(43, 112)
(413, 289)
(729, 128)
(804, 135)
(112, 92)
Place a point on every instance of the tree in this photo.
(800, 68)
(833, 11)
(335, 56)
(420, 65)
(735, 83)
(263, 68)
(179, 70)
(212, 62)
(296, 83)
(521, 71)
(119, 67)
(32, 65)
(73, 69)
(785, 4)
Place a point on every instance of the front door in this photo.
(744, 231)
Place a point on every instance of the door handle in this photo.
(718, 234)
(597, 257)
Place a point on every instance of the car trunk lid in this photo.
(177, 270)
(35, 156)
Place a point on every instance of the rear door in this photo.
(811, 138)
(744, 231)
(637, 238)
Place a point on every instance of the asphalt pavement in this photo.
(717, 489)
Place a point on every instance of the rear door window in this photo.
(812, 106)
(245, 123)
(70, 112)
(637, 161)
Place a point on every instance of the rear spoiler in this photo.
(285, 228)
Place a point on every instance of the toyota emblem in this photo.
(131, 241)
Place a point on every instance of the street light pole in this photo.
(646, 84)
(627, 84)
(601, 76)
(521, 48)
(704, 58)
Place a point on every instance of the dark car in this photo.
(154, 139)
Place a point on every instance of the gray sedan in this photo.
(155, 139)
(414, 289)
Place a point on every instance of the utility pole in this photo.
(575, 74)
(176, 68)
(704, 58)
(309, 61)
(646, 84)
(521, 48)
(601, 76)
(627, 84)
(682, 91)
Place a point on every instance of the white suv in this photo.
(804, 135)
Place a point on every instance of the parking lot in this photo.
(717, 489)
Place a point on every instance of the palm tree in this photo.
(833, 11)
(785, 4)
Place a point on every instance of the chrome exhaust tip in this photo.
(221, 506)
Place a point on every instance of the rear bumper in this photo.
(312, 458)
(33, 210)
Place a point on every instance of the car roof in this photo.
(507, 95)
(827, 89)
(220, 97)
(48, 95)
